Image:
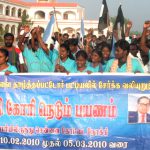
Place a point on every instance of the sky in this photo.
(135, 10)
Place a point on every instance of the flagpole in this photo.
(55, 16)
(58, 60)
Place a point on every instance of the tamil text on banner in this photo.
(74, 112)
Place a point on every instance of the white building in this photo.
(68, 15)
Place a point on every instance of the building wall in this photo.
(70, 25)
(68, 18)
(46, 1)
(10, 16)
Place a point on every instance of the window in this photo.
(7, 11)
(1, 9)
(19, 13)
(13, 12)
(65, 16)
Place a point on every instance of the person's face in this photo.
(65, 37)
(3, 58)
(63, 53)
(36, 45)
(73, 48)
(143, 108)
(95, 57)
(119, 53)
(51, 46)
(105, 53)
(8, 41)
(94, 39)
(81, 62)
(103, 38)
(133, 50)
(56, 35)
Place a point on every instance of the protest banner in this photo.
(72, 112)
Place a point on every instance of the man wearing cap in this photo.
(141, 115)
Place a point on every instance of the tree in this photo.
(113, 19)
(25, 20)
(2, 32)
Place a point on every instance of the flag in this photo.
(119, 26)
(82, 28)
(104, 17)
(56, 29)
(119, 23)
(49, 29)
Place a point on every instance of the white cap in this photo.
(49, 42)
(22, 32)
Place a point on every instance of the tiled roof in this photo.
(44, 4)
(18, 2)
(54, 4)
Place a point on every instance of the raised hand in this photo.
(33, 32)
(129, 24)
(88, 39)
(26, 29)
(146, 24)
(38, 31)
(90, 31)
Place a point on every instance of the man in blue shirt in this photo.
(122, 62)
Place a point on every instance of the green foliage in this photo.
(135, 33)
(113, 19)
(2, 32)
(1, 39)
(25, 20)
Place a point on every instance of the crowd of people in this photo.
(90, 54)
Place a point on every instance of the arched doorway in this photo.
(13, 12)
(13, 30)
(7, 28)
(7, 11)
(39, 15)
(19, 13)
